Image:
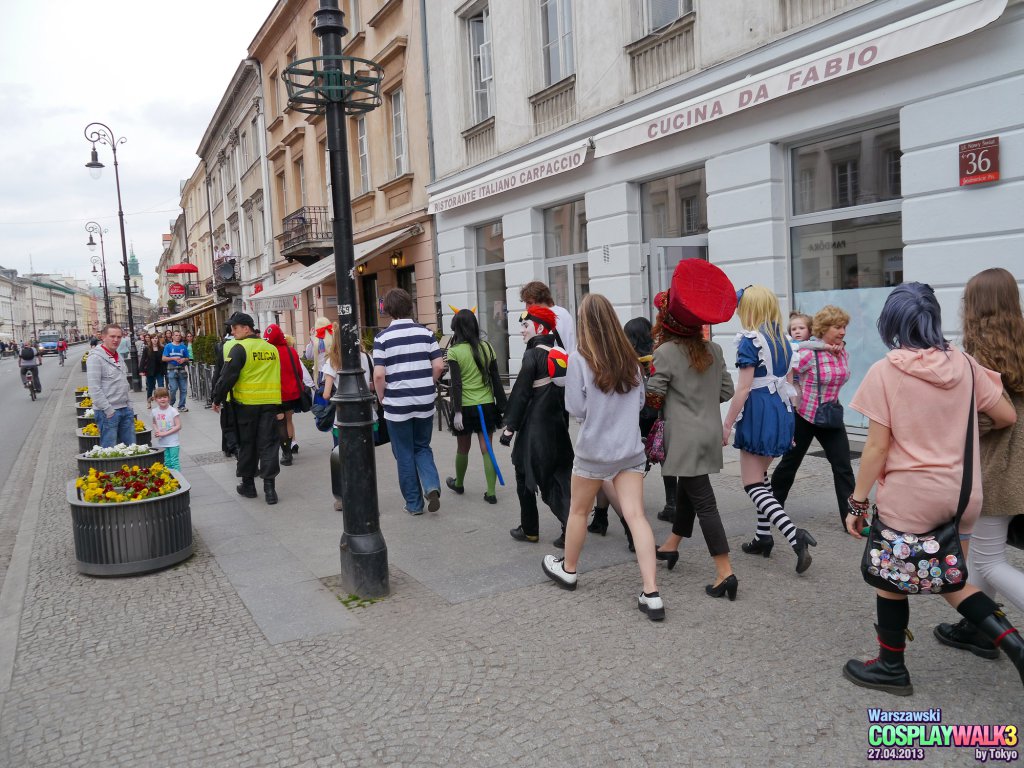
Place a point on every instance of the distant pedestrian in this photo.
(762, 412)
(153, 366)
(542, 454)
(536, 292)
(29, 359)
(605, 390)
(107, 379)
(176, 357)
(166, 427)
(407, 363)
(251, 378)
(475, 387)
(320, 342)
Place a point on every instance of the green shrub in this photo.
(204, 348)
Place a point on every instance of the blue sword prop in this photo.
(487, 442)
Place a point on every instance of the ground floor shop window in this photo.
(674, 206)
(491, 299)
(569, 283)
(368, 288)
(406, 278)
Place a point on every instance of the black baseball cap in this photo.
(240, 318)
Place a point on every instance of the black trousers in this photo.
(555, 495)
(257, 441)
(695, 499)
(837, 451)
(228, 429)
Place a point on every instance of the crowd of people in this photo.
(644, 394)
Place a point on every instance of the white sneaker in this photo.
(555, 571)
(652, 605)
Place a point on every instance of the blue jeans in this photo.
(417, 474)
(177, 380)
(152, 382)
(119, 428)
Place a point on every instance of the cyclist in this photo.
(30, 359)
(62, 349)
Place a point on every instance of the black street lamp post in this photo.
(93, 228)
(101, 133)
(335, 86)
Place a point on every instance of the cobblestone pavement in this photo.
(173, 669)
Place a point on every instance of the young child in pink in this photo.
(166, 426)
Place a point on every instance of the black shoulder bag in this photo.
(828, 415)
(929, 563)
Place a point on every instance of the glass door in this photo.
(664, 255)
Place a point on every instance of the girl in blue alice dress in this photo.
(762, 412)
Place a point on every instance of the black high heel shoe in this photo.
(726, 586)
(599, 523)
(670, 557)
(803, 557)
(759, 546)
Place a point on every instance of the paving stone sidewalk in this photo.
(475, 660)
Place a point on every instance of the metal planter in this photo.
(132, 537)
(114, 464)
(80, 396)
(80, 411)
(85, 442)
(83, 366)
(85, 421)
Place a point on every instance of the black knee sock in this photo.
(893, 615)
(977, 608)
(769, 508)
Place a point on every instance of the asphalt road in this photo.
(18, 414)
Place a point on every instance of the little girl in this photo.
(166, 426)
(800, 338)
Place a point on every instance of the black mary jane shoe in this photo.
(459, 489)
(759, 546)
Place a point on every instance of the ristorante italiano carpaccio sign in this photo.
(901, 38)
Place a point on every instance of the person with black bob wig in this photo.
(918, 400)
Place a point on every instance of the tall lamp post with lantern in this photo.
(93, 228)
(335, 86)
(99, 133)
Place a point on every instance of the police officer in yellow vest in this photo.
(252, 376)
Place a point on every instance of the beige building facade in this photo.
(388, 165)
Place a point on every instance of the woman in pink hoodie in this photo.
(918, 399)
(291, 387)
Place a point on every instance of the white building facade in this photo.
(817, 154)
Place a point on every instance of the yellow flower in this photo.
(80, 482)
(111, 495)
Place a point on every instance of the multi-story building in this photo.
(827, 150)
(232, 150)
(13, 320)
(389, 168)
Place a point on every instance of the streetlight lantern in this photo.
(335, 86)
(94, 165)
(101, 261)
(99, 132)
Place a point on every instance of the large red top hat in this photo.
(700, 293)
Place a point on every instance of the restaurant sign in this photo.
(893, 41)
(561, 160)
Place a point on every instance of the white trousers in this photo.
(987, 567)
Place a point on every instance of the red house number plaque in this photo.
(979, 161)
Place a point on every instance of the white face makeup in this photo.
(528, 330)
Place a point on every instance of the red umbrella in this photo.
(181, 269)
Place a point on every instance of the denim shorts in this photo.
(639, 468)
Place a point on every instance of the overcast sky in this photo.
(153, 72)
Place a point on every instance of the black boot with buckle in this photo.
(599, 522)
(269, 492)
(887, 672)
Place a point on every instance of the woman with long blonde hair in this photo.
(762, 413)
(993, 330)
(604, 389)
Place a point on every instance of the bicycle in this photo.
(61, 356)
(30, 383)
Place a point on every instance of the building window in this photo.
(255, 138)
(243, 141)
(481, 74)
(674, 206)
(556, 39)
(492, 309)
(364, 156)
(406, 279)
(353, 17)
(272, 92)
(660, 13)
(300, 175)
(893, 172)
(844, 184)
(398, 133)
(565, 253)
(282, 192)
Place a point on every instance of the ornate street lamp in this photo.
(93, 228)
(101, 133)
(335, 86)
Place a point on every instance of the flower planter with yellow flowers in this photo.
(89, 435)
(113, 463)
(81, 394)
(132, 521)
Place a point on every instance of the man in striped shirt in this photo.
(406, 366)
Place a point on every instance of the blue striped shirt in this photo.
(405, 349)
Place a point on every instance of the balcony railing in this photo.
(308, 226)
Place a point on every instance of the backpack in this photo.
(27, 353)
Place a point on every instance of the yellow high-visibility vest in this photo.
(259, 383)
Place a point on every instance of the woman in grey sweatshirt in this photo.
(604, 390)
